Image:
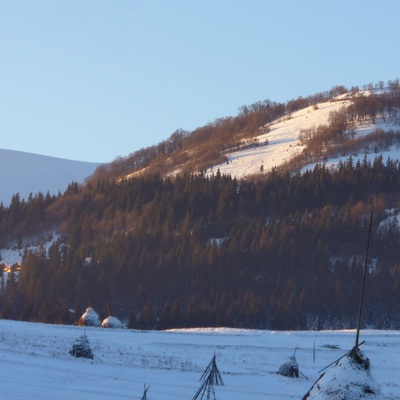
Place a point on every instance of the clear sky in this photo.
(92, 80)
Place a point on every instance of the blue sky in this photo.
(93, 80)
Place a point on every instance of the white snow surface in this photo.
(284, 144)
(10, 256)
(283, 141)
(26, 173)
(35, 363)
(13, 254)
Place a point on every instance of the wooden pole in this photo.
(363, 282)
(314, 352)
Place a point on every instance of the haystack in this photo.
(111, 322)
(348, 379)
(290, 368)
(81, 348)
(89, 318)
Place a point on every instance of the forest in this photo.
(280, 251)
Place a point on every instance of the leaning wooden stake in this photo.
(211, 376)
(144, 397)
(363, 282)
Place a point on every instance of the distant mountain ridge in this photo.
(26, 173)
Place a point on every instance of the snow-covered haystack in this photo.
(348, 379)
(290, 368)
(81, 348)
(111, 322)
(89, 318)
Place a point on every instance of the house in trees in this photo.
(15, 267)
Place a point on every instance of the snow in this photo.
(36, 364)
(13, 253)
(283, 142)
(391, 154)
(26, 173)
(10, 256)
(392, 220)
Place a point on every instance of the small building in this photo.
(15, 267)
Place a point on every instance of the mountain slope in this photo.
(194, 250)
(279, 136)
(282, 143)
(26, 173)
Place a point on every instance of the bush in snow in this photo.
(348, 379)
(111, 322)
(81, 348)
(89, 318)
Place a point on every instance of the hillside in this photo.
(283, 141)
(26, 173)
(35, 362)
(166, 247)
(268, 135)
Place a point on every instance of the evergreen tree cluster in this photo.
(276, 252)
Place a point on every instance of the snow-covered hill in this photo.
(26, 173)
(281, 143)
(35, 362)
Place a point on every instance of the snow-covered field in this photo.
(35, 363)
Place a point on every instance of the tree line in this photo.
(273, 252)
